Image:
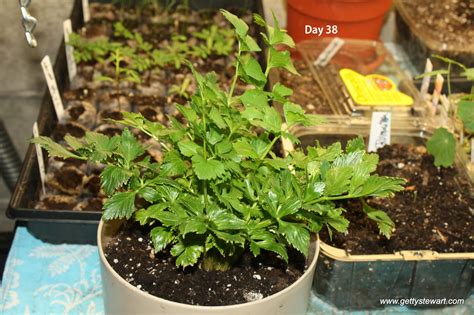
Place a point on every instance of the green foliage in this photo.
(466, 114)
(220, 187)
(442, 145)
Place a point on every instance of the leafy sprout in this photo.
(442, 144)
(221, 187)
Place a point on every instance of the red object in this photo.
(353, 18)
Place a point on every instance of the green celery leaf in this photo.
(296, 234)
(240, 26)
(225, 220)
(189, 256)
(114, 177)
(172, 165)
(253, 69)
(189, 148)
(384, 223)
(381, 186)
(255, 98)
(442, 145)
(338, 180)
(355, 144)
(129, 146)
(53, 148)
(335, 219)
(161, 237)
(207, 169)
(281, 59)
(193, 225)
(120, 206)
(73, 142)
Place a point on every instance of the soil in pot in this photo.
(433, 213)
(451, 21)
(306, 91)
(131, 254)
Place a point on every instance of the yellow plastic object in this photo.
(373, 89)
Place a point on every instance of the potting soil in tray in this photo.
(433, 213)
(306, 91)
(131, 255)
(449, 21)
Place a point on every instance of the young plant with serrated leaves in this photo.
(122, 73)
(220, 188)
(442, 144)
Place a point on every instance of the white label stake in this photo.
(437, 91)
(329, 52)
(380, 130)
(71, 64)
(53, 87)
(86, 13)
(425, 84)
(39, 157)
(472, 150)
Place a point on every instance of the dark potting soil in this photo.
(451, 21)
(306, 91)
(434, 212)
(131, 254)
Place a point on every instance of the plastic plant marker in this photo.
(53, 87)
(71, 63)
(331, 50)
(437, 90)
(426, 80)
(379, 130)
(39, 156)
(85, 11)
(373, 89)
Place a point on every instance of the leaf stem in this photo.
(234, 80)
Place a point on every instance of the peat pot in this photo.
(120, 297)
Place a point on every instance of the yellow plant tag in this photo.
(373, 89)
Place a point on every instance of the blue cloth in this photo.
(42, 278)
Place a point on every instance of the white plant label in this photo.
(86, 13)
(53, 87)
(472, 150)
(380, 130)
(329, 52)
(425, 84)
(71, 64)
(39, 157)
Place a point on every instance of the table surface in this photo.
(42, 278)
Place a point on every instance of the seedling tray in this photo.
(357, 282)
(366, 58)
(420, 44)
(68, 226)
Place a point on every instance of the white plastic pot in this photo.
(120, 297)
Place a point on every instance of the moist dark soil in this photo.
(131, 254)
(451, 21)
(434, 212)
(306, 92)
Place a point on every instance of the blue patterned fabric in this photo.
(42, 278)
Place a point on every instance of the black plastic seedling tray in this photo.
(68, 226)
